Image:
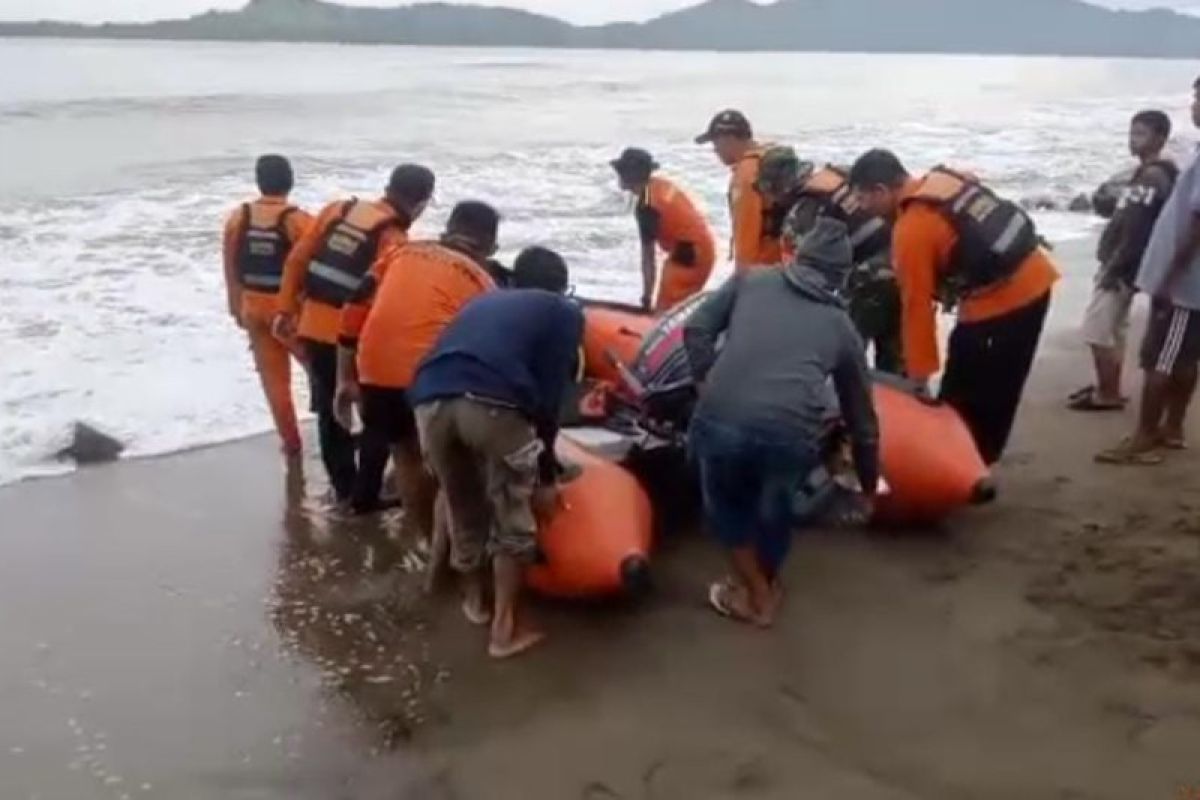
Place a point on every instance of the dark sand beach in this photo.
(187, 628)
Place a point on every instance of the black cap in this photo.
(636, 162)
(728, 123)
(412, 182)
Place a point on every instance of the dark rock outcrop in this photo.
(90, 446)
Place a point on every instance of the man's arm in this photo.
(917, 255)
(556, 371)
(229, 248)
(648, 224)
(1189, 248)
(353, 320)
(1188, 251)
(299, 223)
(747, 223)
(358, 308)
(296, 267)
(705, 327)
(649, 275)
(852, 381)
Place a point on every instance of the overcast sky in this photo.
(575, 10)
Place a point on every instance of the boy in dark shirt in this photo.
(1122, 245)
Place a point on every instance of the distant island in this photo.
(1018, 27)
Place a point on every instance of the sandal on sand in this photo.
(732, 601)
(1079, 394)
(1089, 402)
(1123, 455)
(475, 615)
(522, 643)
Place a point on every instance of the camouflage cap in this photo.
(781, 171)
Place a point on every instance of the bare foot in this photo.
(522, 641)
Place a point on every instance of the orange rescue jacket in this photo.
(408, 299)
(348, 236)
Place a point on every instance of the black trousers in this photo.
(387, 421)
(338, 450)
(986, 370)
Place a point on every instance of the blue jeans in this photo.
(748, 479)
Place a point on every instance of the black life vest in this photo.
(995, 235)
(262, 251)
(827, 193)
(345, 255)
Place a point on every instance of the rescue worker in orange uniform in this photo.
(756, 230)
(955, 242)
(259, 235)
(666, 216)
(393, 321)
(322, 274)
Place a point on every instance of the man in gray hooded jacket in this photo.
(756, 432)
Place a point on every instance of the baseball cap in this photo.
(634, 161)
(727, 123)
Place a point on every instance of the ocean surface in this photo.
(122, 159)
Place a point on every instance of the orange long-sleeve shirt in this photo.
(922, 244)
(256, 306)
(320, 321)
(751, 245)
(411, 294)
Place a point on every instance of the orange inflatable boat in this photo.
(614, 329)
(928, 459)
(598, 544)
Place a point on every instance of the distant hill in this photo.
(1026, 27)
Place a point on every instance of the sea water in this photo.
(121, 160)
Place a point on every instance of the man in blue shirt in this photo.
(487, 402)
(1170, 275)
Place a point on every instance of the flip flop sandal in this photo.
(1172, 444)
(521, 645)
(723, 597)
(1124, 457)
(1080, 394)
(1090, 403)
(479, 617)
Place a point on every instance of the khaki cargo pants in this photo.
(486, 458)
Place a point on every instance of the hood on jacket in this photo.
(824, 257)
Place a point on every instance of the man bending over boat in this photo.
(487, 400)
(757, 429)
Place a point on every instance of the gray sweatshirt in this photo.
(786, 336)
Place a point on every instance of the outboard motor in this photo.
(658, 387)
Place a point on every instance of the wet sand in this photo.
(188, 628)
